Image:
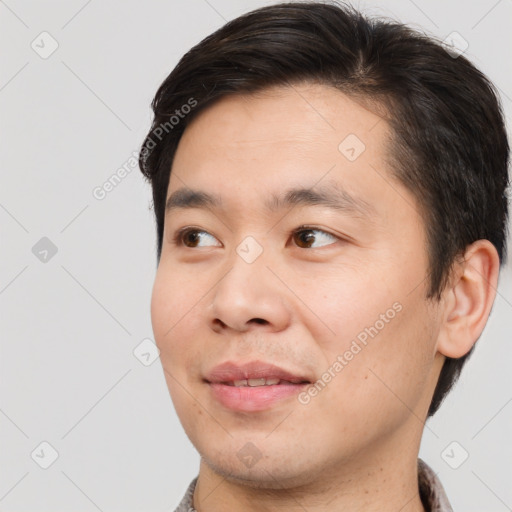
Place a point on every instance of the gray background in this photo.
(71, 322)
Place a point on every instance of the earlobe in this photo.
(469, 299)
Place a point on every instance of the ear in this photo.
(468, 299)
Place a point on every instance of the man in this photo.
(330, 198)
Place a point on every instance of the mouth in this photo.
(254, 373)
(261, 382)
(254, 386)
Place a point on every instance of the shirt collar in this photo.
(432, 493)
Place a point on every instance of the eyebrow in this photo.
(330, 196)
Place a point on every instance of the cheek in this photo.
(174, 316)
(162, 306)
(343, 302)
(176, 296)
(174, 308)
(386, 377)
(379, 329)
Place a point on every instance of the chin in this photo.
(279, 471)
(266, 476)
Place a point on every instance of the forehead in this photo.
(253, 146)
(282, 132)
(280, 115)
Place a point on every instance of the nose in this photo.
(248, 297)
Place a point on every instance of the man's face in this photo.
(327, 283)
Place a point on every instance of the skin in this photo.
(354, 446)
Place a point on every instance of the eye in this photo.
(191, 237)
(306, 238)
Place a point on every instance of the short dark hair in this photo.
(449, 145)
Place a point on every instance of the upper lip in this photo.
(231, 371)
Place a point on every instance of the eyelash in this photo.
(181, 233)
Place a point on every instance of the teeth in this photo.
(256, 382)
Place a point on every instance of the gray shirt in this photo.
(432, 492)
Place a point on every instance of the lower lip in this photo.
(252, 399)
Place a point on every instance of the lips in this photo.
(255, 386)
(254, 373)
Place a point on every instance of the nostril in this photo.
(219, 324)
(259, 321)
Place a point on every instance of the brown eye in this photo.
(305, 238)
(195, 238)
(190, 238)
